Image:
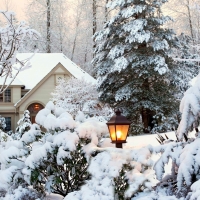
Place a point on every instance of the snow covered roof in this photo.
(15, 82)
(42, 64)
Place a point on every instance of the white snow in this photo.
(43, 63)
(139, 141)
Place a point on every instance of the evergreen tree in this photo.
(134, 63)
(24, 125)
(2, 123)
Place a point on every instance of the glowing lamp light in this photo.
(36, 107)
(118, 127)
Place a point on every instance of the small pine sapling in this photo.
(24, 125)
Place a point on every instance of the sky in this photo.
(18, 6)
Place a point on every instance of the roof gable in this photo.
(43, 64)
(29, 93)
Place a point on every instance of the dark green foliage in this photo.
(61, 179)
(121, 184)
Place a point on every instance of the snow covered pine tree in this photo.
(134, 63)
(2, 123)
(24, 125)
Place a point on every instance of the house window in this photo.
(8, 123)
(1, 97)
(6, 96)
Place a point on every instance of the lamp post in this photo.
(118, 127)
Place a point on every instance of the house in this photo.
(32, 88)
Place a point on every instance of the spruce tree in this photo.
(24, 125)
(134, 63)
(2, 123)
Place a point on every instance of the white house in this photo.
(32, 88)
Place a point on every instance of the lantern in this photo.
(118, 128)
(36, 107)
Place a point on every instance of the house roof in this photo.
(42, 64)
(8, 80)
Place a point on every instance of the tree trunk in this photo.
(74, 44)
(78, 19)
(147, 118)
(147, 114)
(190, 20)
(94, 9)
(106, 11)
(48, 27)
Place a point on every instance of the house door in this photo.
(34, 108)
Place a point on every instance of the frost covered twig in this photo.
(12, 38)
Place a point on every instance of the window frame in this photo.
(4, 96)
(10, 120)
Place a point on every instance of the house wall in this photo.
(16, 92)
(7, 109)
(42, 92)
(41, 95)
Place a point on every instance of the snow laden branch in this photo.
(80, 95)
(12, 37)
(190, 109)
(118, 174)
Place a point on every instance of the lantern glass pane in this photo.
(121, 132)
(112, 132)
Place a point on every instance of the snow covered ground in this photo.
(140, 141)
(54, 197)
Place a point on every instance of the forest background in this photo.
(68, 26)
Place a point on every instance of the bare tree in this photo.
(77, 23)
(48, 26)
(11, 40)
(8, 4)
(186, 14)
(94, 12)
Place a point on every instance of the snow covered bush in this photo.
(78, 95)
(21, 193)
(117, 174)
(190, 109)
(58, 162)
(55, 160)
(185, 165)
(13, 154)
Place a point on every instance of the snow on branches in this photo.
(105, 169)
(78, 95)
(190, 109)
(12, 37)
(54, 160)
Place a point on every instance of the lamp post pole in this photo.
(119, 145)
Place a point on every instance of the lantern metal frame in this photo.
(118, 120)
